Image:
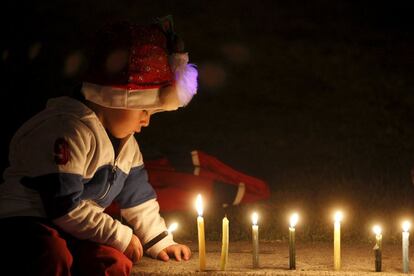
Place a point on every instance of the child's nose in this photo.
(144, 123)
(145, 120)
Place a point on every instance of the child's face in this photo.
(122, 123)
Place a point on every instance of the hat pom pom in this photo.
(185, 77)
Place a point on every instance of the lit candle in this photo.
(201, 238)
(405, 234)
(292, 250)
(378, 247)
(255, 239)
(337, 240)
(162, 235)
(225, 244)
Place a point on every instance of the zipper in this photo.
(112, 178)
(112, 175)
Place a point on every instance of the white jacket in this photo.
(63, 167)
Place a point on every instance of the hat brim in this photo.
(166, 98)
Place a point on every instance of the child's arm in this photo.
(147, 224)
(88, 222)
(140, 208)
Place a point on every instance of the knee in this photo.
(56, 252)
(120, 263)
(97, 259)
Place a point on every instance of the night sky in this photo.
(299, 93)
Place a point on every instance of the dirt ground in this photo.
(312, 259)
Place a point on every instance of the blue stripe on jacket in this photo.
(137, 189)
(62, 192)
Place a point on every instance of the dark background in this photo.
(315, 97)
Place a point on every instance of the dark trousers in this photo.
(32, 246)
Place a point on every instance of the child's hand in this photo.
(134, 249)
(175, 250)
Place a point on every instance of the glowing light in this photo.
(255, 218)
(294, 219)
(338, 216)
(199, 205)
(377, 230)
(72, 64)
(406, 226)
(34, 50)
(4, 55)
(173, 227)
(212, 75)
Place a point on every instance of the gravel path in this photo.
(312, 259)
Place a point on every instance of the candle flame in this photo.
(406, 226)
(294, 219)
(377, 229)
(173, 227)
(199, 205)
(338, 216)
(255, 218)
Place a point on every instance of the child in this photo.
(70, 161)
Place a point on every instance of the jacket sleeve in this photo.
(140, 208)
(60, 152)
(88, 222)
(147, 224)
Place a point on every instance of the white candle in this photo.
(405, 242)
(225, 244)
(172, 227)
(378, 247)
(201, 237)
(337, 240)
(292, 248)
(255, 240)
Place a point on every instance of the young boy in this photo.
(70, 161)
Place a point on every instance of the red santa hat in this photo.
(140, 67)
